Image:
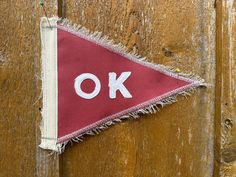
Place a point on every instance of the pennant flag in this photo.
(89, 83)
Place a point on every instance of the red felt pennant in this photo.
(99, 83)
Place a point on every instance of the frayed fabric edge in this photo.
(104, 41)
(151, 109)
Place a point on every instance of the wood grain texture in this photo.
(17, 118)
(20, 84)
(226, 102)
(177, 141)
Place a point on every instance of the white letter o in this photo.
(80, 79)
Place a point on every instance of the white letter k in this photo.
(117, 84)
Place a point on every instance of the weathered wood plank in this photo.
(17, 118)
(178, 141)
(20, 84)
(226, 98)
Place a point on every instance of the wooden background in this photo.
(195, 137)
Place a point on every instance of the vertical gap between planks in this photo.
(61, 8)
(218, 87)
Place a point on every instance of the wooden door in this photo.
(194, 137)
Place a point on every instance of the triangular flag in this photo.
(90, 83)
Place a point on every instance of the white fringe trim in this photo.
(102, 40)
(151, 109)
